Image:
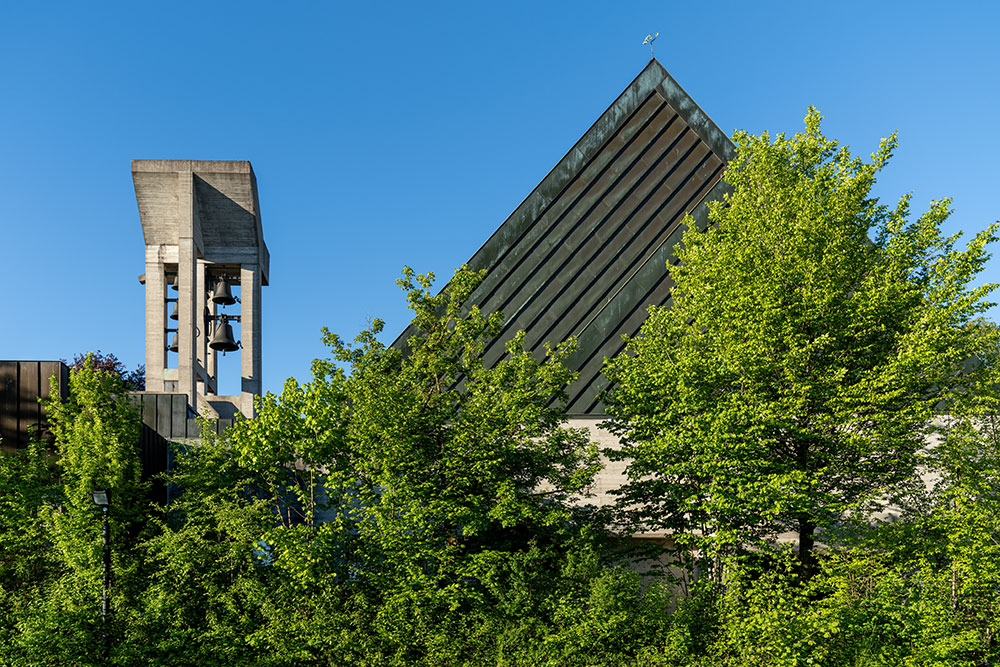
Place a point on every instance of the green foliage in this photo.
(27, 485)
(96, 432)
(402, 507)
(199, 603)
(790, 384)
(109, 363)
(449, 459)
(434, 473)
(857, 610)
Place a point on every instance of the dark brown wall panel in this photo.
(9, 436)
(22, 384)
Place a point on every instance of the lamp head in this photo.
(102, 497)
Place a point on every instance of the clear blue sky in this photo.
(392, 133)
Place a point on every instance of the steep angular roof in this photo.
(587, 251)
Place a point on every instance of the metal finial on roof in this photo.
(650, 38)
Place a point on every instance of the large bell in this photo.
(173, 283)
(222, 338)
(221, 294)
(173, 344)
(174, 315)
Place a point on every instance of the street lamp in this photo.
(102, 498)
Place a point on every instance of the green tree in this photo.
(207, 591)
(790, 384)
(461, 470)
(450, 456)
(28, 484)
(960, 535)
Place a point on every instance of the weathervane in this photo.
(650, 38)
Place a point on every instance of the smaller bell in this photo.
(173, 344)
(222, 294)
(173, 313)
(173, 283)
(222, 338)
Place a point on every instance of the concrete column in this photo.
(201, 335)
(250, 332)
(212, 358)
(187, 270)
(156, 320)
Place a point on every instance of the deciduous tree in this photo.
(811, 334)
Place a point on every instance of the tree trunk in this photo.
(807, 544)
(807, 527)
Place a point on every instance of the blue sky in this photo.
(390, 134)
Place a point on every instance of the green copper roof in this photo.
(587, 251)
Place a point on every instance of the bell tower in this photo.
(203, 235)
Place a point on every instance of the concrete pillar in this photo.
(156, 320)
(186, 358)
(212, 358)
(187, 269)
(250, 332)
(201, 335)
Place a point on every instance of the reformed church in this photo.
(584, 256)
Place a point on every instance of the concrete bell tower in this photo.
(201, 224)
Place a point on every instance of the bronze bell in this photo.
(173, 344)
(222, 294)
(173, 283)
(222, 338)
(173, 313)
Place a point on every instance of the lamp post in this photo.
(102, 498)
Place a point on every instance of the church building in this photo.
(589, 249)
